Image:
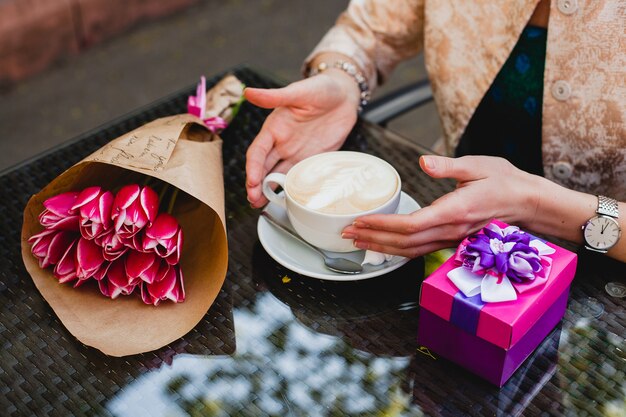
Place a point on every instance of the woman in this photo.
(572, 122)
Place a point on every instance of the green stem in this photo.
(235, 108)
(164, 189)
(170, 208)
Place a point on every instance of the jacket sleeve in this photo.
(377, 35)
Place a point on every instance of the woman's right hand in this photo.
(311, 116)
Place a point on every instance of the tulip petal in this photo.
(57, 248)
(65, 269)
(151, 274)
(163, 288)
(149, 203)
(86, 196)
(102, 272)
(61, 204)
(118, 279)
(174, 257)
(40, 235)
(41, 241)
(180, 286)
(138, 263)
(146, 297)
(126, 196)
(119, 219)
(164, 226)
(104, 287)
(89, 258)
(105, 205)
(70, 223)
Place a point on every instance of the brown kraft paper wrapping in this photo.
(178, 150)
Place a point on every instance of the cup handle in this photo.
(278, 178)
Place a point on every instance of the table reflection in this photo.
(376, 315)
(440, 387)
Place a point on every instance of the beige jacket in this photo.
(466, 42)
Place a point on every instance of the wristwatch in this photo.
(602, 231)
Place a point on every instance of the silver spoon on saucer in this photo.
(340, 265)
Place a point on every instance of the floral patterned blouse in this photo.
(466, 43)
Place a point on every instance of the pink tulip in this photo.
(50, 245)
(94, 206)
(59, 213)
(89, 259)
(134, 208)
(117, 281)
(142, 266)
(112, 245)
(165, 237)
(167, 286)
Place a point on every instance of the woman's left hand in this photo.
(487, 188)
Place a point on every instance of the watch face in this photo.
(602, 232)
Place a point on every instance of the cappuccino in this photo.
(342, 183)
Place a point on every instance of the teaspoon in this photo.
(340, 265)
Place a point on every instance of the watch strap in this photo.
(607, 206)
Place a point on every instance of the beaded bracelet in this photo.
(352, 71)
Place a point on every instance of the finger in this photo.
(404, 241)
(271, 160)
(409, 252)
(422, 219)
(465, 168)
(283, 166)
(256, 198)
(256, 156)
(275, 97)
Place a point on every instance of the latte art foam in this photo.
(342, 183)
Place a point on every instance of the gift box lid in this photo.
(502, 323)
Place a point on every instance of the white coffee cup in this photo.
(326, 192)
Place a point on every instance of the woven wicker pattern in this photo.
(276, 343)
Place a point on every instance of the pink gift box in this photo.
(492, 339)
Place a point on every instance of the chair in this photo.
(398, 102)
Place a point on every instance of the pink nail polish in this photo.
(361, 245)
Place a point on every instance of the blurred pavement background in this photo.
(153, 59)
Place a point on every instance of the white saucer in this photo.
(305, 261)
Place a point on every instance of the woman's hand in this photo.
(487, 188)
(311, 116)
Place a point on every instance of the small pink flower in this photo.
(50, 245)
(165, 237)
(94, 206)
(196, 104)
(59, 213)
(167, 286)
(134, 208)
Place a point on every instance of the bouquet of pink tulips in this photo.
(96, 228)
(121, 241)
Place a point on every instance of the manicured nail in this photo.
(429, 162)
(361, 245)
(358, 223)
(347, 235)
